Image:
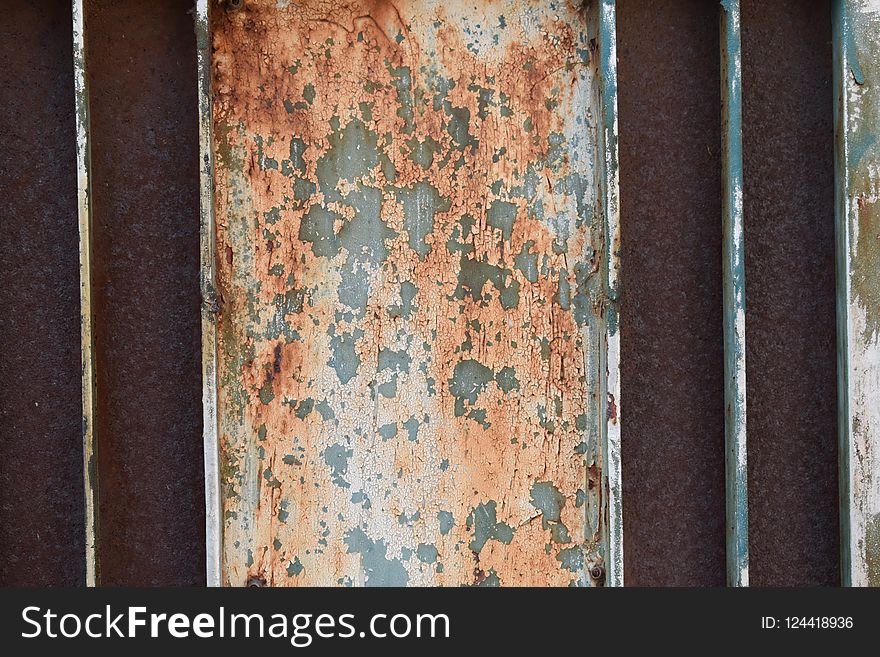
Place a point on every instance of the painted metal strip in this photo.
(84, 206)
(610, 194)
(856, 31)
(370, 387)
(734, 299)
(733, 254)
(213, 502)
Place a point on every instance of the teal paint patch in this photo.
(447, 522)
(270, 479)
(484, 523)
(421, 204)
(548, 500)
(378, 568)
(396, 361)
(474, 274)
(403, 84)
(388, 389)
(305, 408)
(408, 293)
(344, 359)
(266, 393)
(318, 228)
(361, 498)
(506, 379)
(527, 263)
(325, 410)
(412, 429)
(469, 379)
(489, 580)
(388, 431)
(458, 127)
(364, 236)
(423, 152)
(295, 567)
(336, 457)
(501, 215)
(353, 153)
(427, 552)
(563, 292)
(571, 559)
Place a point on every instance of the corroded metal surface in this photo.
(145, 295)
(788, 138)
(671, 319)
(411, 292)
(41, 492)
(857, 71)
(207, 249)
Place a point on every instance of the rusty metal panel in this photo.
(137, 140)
(788, 144)
(41, 498)
(857, 71)
(412, 211)
(671, 317)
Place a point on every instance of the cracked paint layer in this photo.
(411, 309)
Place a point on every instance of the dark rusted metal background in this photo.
(41, 496)
(145, 151)
(790, 305)
(142, 72)
(671, 341)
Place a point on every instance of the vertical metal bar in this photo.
(733, 254)
(856, 32)
(213, 503)
(610, 190)
(83, 161)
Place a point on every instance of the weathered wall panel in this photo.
(144, 174)
(41, 498)
(410, 266)
(788, 138)
(857, 117)
(671, 321)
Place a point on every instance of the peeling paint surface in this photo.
(411, 293)
(857, 68)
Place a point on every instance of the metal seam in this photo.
(213, 502)
(855, 26)
(734, 298)
(84, 209)
(610, 190)
(841, 207)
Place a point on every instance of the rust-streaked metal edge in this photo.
(84, 208)
(856, 38)
(610, 191)
(213, 502)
